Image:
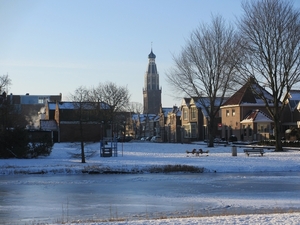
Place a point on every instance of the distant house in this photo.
(194, 119)
(145, 125)
(64, 118)
(245, 116)
(165, 126)
(29, 109)
(173, 131)
(291, 115)
(163, 130)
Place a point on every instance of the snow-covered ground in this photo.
(144, 156)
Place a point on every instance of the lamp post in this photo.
(182, 130)
(102, 129)
(124, 125)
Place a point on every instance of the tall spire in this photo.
(152, 76)
(152, 92)
(151, 55)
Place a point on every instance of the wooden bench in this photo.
(197, 153)
(249, 151)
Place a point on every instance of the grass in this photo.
(176, 168)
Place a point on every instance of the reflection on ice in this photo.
(46, 198)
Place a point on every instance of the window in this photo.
(233, 112)
(227, 112)
(185, 117)
(244, 130)
(263, 128)
(42, 100)
(193, 130)
(250, 131)
(193, 112)
(187, 132)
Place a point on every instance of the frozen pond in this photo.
(26, 199)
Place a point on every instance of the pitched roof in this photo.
(144, 117)
(75, 105)
(186, 101)
(166, 111)
(247, 94)
(201, 102)
(257, 116)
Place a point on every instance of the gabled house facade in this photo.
(245, 116)
(162, 129)
(172, 127)
(194, 119)
(291, 115)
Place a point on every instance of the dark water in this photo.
(34, 199)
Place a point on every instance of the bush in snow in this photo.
(18, 143)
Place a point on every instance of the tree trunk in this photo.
(278, 144)
(81, 142)
(82, 152)
(211, 132)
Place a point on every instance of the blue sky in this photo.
(52, 47)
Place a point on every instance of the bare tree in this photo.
(81, 99)
(271, 29)
(206, 67)
(6, 109)
(135, 107)
(5, 81)
(116, 97)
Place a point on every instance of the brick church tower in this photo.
(151, 91)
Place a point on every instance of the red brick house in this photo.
(245, 116)
(64, 119)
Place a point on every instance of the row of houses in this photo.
(243, 115)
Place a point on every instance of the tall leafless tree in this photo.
(116, 97)
(271, 29)
(206, 67)
(6, 108)
(81, 100)
(5, 81)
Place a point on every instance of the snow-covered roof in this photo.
(257, 116)
(76, 105)
(142, 117)
(204, 103)
(48, 125)
(166, 111)
(249, 94)
(51, 105)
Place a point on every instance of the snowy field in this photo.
(141, 156)
(137, 157)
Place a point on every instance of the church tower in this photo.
(151, 91)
